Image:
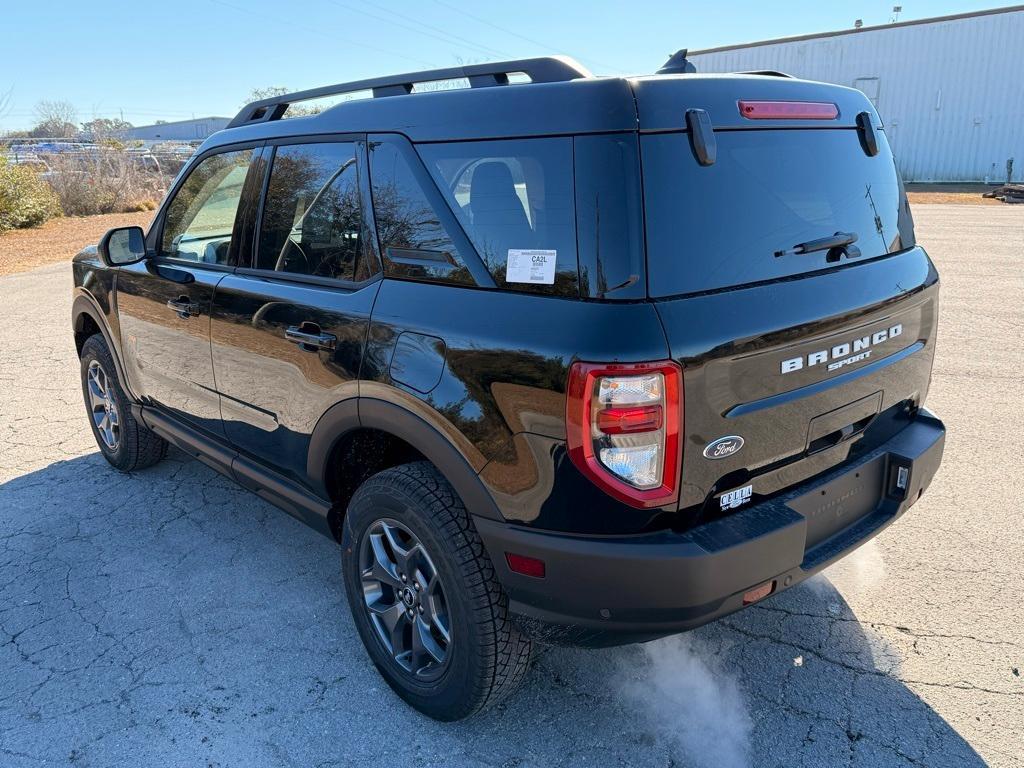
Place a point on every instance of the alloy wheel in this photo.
(405, 599)
(103, 406)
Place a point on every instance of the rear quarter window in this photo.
(513, 199)
(415, 243)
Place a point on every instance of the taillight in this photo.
(789, 110)
(623, 423)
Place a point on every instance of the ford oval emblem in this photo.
(723, 446)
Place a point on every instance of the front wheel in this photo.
(125, 443)
(424, 596)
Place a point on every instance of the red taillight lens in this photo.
(623, 423)
(789, 110)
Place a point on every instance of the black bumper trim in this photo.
(601, 590)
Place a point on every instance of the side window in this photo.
(413, 241)
(516, 201)
(201, 217)
(313, 215)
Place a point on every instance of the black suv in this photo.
(555, 357)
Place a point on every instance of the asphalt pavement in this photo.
(169, 618)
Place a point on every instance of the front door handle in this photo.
(310, 337)
(184, 307)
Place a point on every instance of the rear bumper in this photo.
(612, 590)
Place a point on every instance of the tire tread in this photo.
(142, 447)
(506, 651)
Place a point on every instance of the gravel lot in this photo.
(171, 619)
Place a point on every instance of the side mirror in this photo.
(121, 246)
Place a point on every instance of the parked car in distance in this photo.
(580, 360)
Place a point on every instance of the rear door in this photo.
(787, 279)
(289, 325)
(164, 302)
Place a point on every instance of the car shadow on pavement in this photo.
(169, 617)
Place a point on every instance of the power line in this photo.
(421, 27)
(329, 35)
(507, 31)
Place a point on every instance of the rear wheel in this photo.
(424, 596)
(125, 443)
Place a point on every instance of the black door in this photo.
(164, 302)
(288, 331)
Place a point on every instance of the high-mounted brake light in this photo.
(623, 423)
(789, 110)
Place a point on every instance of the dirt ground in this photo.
(59, 239)
(967, 194)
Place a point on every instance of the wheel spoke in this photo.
(97, 394)
(404, 598)
(398, 549)
(392, 621)
(382, 569)
(417, 564)
(421, 652)
(440, 622)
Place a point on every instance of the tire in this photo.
(123, 441)
(486, 658)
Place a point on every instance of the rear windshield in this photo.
(718, 226)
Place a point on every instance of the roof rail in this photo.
(545, 69)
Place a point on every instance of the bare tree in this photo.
(106, 128)
(55, 119)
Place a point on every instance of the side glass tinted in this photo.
(515, 200)
(201, 217)
(413, 241)
(313, 218)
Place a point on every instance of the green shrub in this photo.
(25, 199)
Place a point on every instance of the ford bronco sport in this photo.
(554, 357)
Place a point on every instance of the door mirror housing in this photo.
(121, 246)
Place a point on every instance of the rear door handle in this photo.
(310, 337)
(184, 306)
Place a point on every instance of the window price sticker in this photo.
(530, 266)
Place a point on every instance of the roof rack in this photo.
(545, 69)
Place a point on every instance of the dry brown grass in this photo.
(59, 239)
(962, 194)
(961, 198)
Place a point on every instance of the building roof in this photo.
(877, 27)
(181, 122)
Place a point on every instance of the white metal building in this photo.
(950, 90)
(196, 129)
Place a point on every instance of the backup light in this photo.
(623, 423)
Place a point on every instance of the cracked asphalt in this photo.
(169, 618)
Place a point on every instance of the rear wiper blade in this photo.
(838, 240)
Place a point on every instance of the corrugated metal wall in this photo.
(951, 93)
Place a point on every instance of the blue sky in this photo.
(172, 60)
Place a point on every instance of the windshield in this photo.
(768, 192)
